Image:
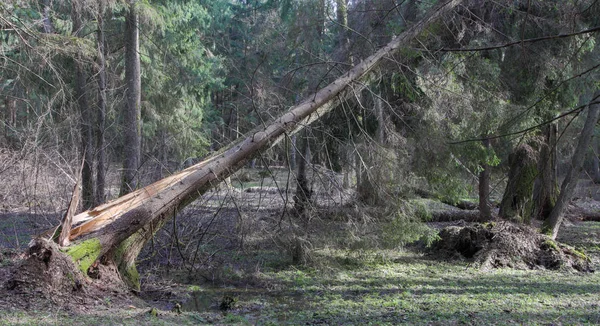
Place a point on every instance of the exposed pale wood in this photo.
(65, 230)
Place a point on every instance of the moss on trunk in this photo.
(84, 253)
(125, 264)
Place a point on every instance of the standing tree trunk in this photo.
(596, 160)
(302, 199)
(485, 210)
(552, 224)
(87, 137)
(119, 229)
(545, 187)
(47, 22)
(516, 203)
(101, 123)
(10, 120)
(292, 153)
(131, 121)
(378, 104)
(343, 40)
(344, 55)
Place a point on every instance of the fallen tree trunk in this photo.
(119, 229)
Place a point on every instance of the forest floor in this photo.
(231, 260)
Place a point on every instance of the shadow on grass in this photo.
(420, 291)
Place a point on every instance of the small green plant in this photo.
(550, 244)
(153, 312)
(407, 227)
(422, 212)
(194, 288)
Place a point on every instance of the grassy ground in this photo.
(370, 287)
(347, 282)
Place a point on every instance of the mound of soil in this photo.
(505, 244)
(44, 278)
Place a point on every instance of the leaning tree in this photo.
(116, 232)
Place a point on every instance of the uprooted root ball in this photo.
(46, 278)
(505, 244)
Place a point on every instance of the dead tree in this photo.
(117, 231)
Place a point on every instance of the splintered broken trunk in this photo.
(117, 231)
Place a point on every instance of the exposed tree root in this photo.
(505, 244)
(47, 277)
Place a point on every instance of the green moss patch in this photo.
(129, 272)
(84, 253)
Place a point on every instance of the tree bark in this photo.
(303, 196)
(118, 230)
(516, 202)
(343, 40)
(596, 160)
(545, 187)
(47, 22)
(485, 209)
(378, 104)
(552, 224)
(101, 123)
(87, 137)
(131, 125)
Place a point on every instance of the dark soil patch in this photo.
(505, 244)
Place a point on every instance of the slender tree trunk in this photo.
(485, 209)
(552, 224)
(344, 55)
(131, 127)
(101, 123)
(292, 153)
(302, 199)
(10, 117)
(87, 137)
(411, 10)
(596, 160)
(343, 39)
(348, 167)
(48, 27)
(378, 103)
(118, 230)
